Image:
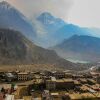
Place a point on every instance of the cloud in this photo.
(58, 8)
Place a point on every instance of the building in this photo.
(48, 73)
(68, 75)
(9, 97)
(5, 86)
(21, 91)
(23, 76)
(77, 83)
(9, 77)
(77, 76)
(60, 84)
(51, 84)
(45, 95)
(30, 98)
(91, 81)
(98, 79)
(58, 74)
(83, 81)
(65, 84)
(27, 97)
(84, 96)
(55, 96)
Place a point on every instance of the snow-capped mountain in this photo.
(11, 18)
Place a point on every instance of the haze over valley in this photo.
(45, 39)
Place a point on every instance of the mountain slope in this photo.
(82, 48)
(69, 30)
(11, 18)
(16, 49)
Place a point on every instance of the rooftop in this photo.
(23, 73)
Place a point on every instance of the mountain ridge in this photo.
(46, 31)
(54, 30)
(84, 48)
(11, 18)
(17, 49)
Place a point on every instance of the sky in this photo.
(85, 13)
(80, 12)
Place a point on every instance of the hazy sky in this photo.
(85, 13)
(80, 12)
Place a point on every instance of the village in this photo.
(49, 85)
(49, 50)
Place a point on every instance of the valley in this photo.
(44, 56)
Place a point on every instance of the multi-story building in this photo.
(58, 74)
(23, 76)
(98, 79)
(51, 84)
(68, 75)
(65, 84)
(59, 84)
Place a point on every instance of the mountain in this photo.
(50, 22)
(11, 18)
(69, 30)
(94, 31)
(46, 25)
(52, 31)
(17, 49)
(80, 48)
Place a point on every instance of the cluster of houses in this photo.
(49, 85)
(15, 76)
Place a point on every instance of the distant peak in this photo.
(46, 15)
(5, 4)
(46, 18)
